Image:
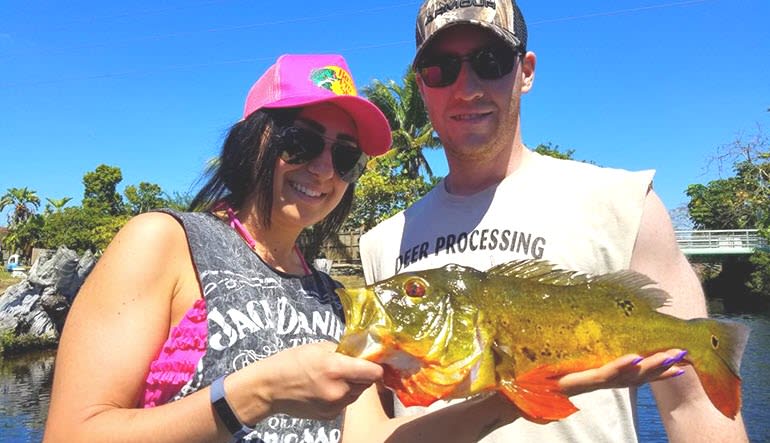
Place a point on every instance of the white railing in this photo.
(726, 241)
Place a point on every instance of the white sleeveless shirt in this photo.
(577, 215)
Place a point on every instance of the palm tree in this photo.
(405, 111)
(58, 203)
(22, 199)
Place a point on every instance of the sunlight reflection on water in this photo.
(25, 386)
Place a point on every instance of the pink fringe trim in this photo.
(178, 358)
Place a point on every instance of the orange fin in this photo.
(723, 389)
(718, 368)
(415, 389)
(537, 395)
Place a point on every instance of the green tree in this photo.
(80, 228)
(552, 150)
(179, 201)
(409, 122)
(100, 190)
(144, 197)
(397, 179)
(382, 192)
(740, 201)
(23, 236)
(24, 202)
(57, 204)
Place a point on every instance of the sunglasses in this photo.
(489, 63)
(300, 145)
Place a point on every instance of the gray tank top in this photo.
(255, 311)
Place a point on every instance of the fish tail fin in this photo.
(718, 364)
(537, 395)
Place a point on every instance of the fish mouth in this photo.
(366, 323)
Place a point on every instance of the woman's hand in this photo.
(309, 381)
(628, 370)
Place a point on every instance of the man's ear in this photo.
(528, 63)
(420, 85)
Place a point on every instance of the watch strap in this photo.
(223, 409)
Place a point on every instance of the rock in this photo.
(20, 312)
(57, 307)
(64, 270)
(38, 305)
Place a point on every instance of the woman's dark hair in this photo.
(245, 167)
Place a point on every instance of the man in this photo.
(500, 202)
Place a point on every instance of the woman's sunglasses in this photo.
(300, 145)
(489, 63)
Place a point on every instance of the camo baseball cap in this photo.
(297, 80)
(502, 17)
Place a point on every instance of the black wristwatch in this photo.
(224, 411)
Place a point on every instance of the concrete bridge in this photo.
(715, 245)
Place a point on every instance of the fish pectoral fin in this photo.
(537, 396)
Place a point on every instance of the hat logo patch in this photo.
(334, 79)
(448, 6)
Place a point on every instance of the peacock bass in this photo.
(454, 332)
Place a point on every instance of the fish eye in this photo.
(415, 287)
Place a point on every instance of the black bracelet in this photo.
(224, 411)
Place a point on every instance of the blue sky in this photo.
(152, 86)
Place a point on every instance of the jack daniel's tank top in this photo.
(253, 312)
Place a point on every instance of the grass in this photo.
(6, 281)
(11, 344)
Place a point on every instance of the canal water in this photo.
(25, 385)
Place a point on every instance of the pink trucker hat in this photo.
(300, 80)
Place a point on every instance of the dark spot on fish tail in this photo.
(546, 352)
(529, 353)
(627, 306)
(715, 342)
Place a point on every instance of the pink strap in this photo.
(302, 259)
(244, 233)
(238, 226)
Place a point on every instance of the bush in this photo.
(11, 344)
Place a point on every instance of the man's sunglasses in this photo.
(489, 63)
(300, 145)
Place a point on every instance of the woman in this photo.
(210, 326)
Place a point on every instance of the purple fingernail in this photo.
(678, 373)
(676, 359)
(636, 361)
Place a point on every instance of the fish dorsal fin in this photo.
(545, 272)
(541, 271)
(641, 285)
